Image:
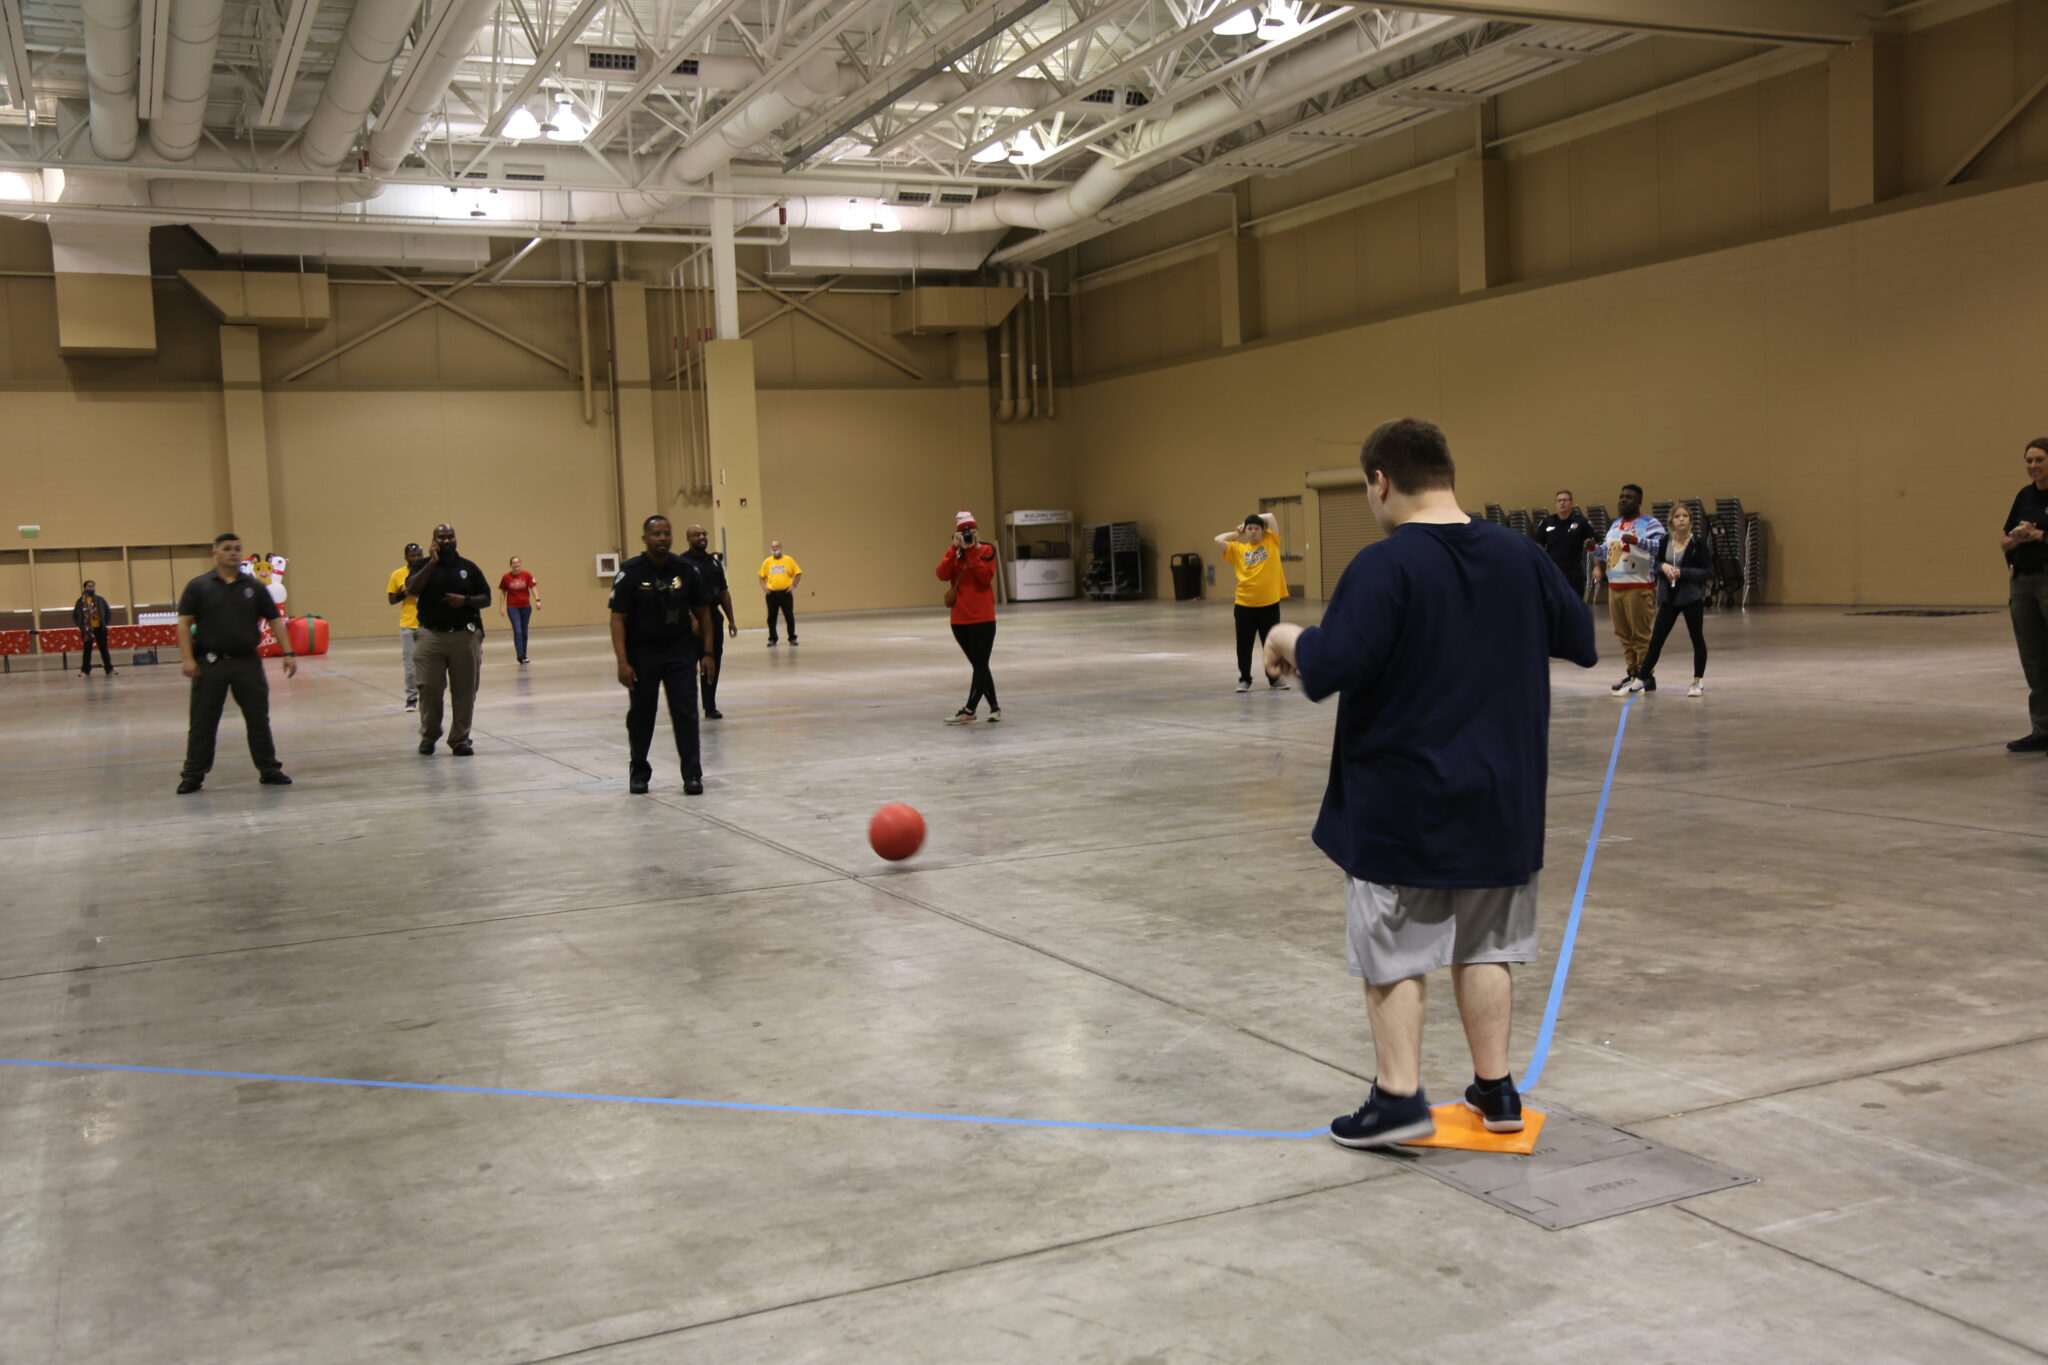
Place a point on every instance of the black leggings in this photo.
(1253, 622)
(977, 642)
(1695, 614)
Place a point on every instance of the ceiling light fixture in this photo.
(1279, 21)
(856, 218)
(522, 126)
(1240, 25)
(1026, 149)
(565, 126)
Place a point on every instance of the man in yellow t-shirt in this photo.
(1253, 549)
(779, 576)
(408, 620)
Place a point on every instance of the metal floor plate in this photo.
(1581, 1171)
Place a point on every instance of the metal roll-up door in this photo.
(1347, 526)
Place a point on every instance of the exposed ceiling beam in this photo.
(1037, 56)
(825, 35)
(1767, 21)
(950, 48)
(707, 18)
(284, 69)
(14, 55)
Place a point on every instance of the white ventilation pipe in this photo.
(811, 84)
(370, 44)
(188, 78)
(418, 97)
(1298, 73)
(113, 49)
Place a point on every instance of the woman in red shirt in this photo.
(970, 566)
(521, 596)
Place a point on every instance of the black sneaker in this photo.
(462, 750)
(188, 785)
(1384, 1120)
(693, 786)
(638, 786)
(1500, 1109)
(276, 779)
(426, 746)
(2029, 744)
(713, 713)
(1649, 682)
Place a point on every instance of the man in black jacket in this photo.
(1564, 535)
(91, 615)
(452, 593)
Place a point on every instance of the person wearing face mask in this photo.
(1634, 542)
(452, 593)
(1253, 550)
(969, 567)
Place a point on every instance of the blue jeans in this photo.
(520, 616)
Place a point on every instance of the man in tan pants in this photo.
(1634, 540)
(452, 594)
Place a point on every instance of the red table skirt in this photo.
(66, 641)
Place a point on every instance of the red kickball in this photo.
(896, 832)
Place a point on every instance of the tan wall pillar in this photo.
(737, 518)
(1237, 289)
(1865, 127)
(639, 490)
(1482, 225)
(248, 440)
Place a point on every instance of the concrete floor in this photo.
(1812, 953)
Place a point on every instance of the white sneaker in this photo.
(1698, 688)
(1635, 684)
(1244, 684)
(962, 717)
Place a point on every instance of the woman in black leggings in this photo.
(1682, 573)
(970, 568)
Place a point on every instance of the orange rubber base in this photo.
(1458, 1127)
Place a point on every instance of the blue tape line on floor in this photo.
(1551, 1007)
(656, 1099)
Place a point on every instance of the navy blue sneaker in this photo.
(1384, 1120)
(1500, 1109)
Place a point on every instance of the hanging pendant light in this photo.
(565, 125)
(1240, 25)
(521, 126)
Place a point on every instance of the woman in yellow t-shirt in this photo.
(1253, 549)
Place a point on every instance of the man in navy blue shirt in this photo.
(1438, 642)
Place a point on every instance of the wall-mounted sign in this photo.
(1039, 518)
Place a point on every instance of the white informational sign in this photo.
(1040, 518)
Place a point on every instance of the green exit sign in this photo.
(29, 532)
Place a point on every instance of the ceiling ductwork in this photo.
(177, 126)
(376, 31)
(113, 53)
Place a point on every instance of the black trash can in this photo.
(1187, 577)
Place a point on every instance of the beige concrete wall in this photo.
(1868, 387)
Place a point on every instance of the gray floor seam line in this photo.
(405, 929)
(1804, 1086)
(1836, 810)
(1829, 763)
(1131, 986)
(992, 1261)
(1685, 1207)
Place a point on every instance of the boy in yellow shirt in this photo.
(408, 620)
(779, 575)
(1253, 549)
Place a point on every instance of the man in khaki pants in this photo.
(1634, 541)
(452, 593)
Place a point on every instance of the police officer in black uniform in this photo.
(661, 629)
(713, 573)
(220, 622)
(1564, 534)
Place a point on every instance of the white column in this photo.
(725, 280)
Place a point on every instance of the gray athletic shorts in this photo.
(1395, 932)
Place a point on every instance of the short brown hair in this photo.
(1414, 455)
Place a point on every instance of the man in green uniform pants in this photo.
(220, 624)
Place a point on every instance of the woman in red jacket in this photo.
(970, 566)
